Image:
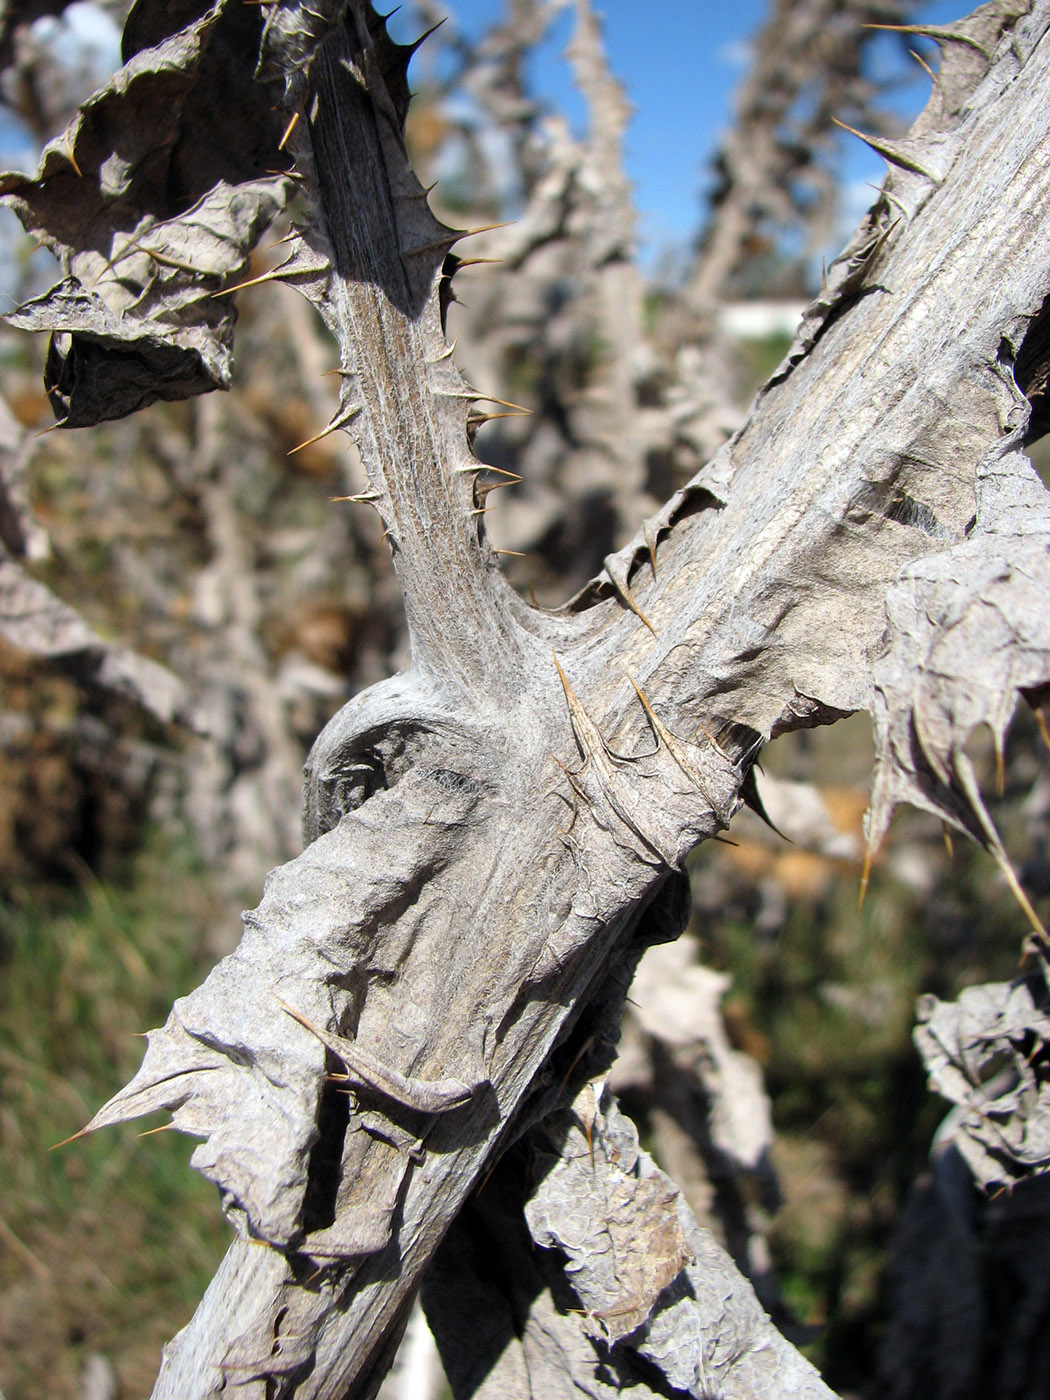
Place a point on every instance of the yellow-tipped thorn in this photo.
(163, 1128)
(303, 1020)
(993, 843)
(134, 246)
(889, 152)
(1040, 720)
(479, 510)
(66, 1141)
(1025, 904)
(472, 396)
(938, 35)
(130, 247)
(645, 703)
(433, 246)
(73, 162)
(60, 423)
(293, 123)
(949, 844)
(486, 228)
(650, 544)
(570, 695)
(317, 437)
(272, 276)
(478, 467)
(446, 354)
(719, 750)
(480, 419)
(1000, 768)
(517, 553)
(363, 498)
(865, 876)
(504, 403)
(922, 63)
(481, 492)
(477, 262)
(162, 259)
(670, 741)
(883, 238)
(278, 242)
(332, 427)
(627, 598)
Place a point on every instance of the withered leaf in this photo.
(152, 201)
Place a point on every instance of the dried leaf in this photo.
(968, 629)
(234, 1068)
(986, 1052)
(593, 1205)
(151, 200)
(33, 618)
(507, 1325)
(678, 1001)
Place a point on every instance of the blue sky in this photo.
(680, 61)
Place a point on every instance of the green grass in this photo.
(106, 1243)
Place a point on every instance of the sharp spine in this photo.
(333, 427)
(627, 598)
(272, 276)
(433, 246)
(472, 396)
(939, 35)
(890, 152)
(292, 124)
(410, 49)
(362, 498)
(649, 534)
(486, 228)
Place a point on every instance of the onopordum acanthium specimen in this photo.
(497, 833)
